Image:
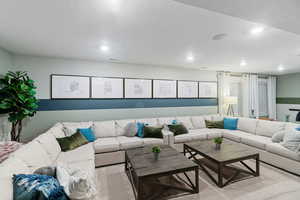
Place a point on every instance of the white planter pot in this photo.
(5, 127)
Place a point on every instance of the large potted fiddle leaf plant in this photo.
(17, 99)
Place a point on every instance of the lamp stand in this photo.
(230, 111)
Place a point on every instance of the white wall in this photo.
(40, 69)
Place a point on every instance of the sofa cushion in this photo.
(247, 125)
(234, 135)
(71, 127)
(291, 140)
(198, 122)
(165, 120)
(34, 155)
(102, 145)
(198, 134)
(104, 129)
(49, 143)
(278, 149)
(130, 142)
(213, 132)
(85, 152)
(151, 141)
(183, 138)
(268, 128)
(278, 136)
(186, 121)
(8, 168)
(120, 126)
(256, 141)
(149, 122)
(291, 126)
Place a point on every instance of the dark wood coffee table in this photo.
(220, 161)
(141, 167)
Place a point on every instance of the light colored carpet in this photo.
(274, 184)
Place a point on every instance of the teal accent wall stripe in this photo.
(288, 100)
(86, 104)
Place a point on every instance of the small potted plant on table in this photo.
(218, 141)
(156, 150)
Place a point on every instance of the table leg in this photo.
(197, 180)
(220, 175)
(257, 165)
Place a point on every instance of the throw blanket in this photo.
(34, 186)
(7, 148)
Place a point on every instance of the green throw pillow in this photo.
(178, 129)
(153, 132)
(71, 142)
(214, 124)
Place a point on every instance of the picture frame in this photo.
(137, 88)
(187, 89)
(107, 88)
(70, 87)
(164, 89)
(208, 90)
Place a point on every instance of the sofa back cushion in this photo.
(57, 130)
(49, 143)
(247, 124)
(198, 122)
(120, 126)
(165, 120)
(103, 129)
(33, 155)
(186, 121)
(71, 127)
(150, 121)
(268, 128)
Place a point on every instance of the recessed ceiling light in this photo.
(280, 68)
(190, 58)
(257, 30)
(243, 63)
(220, 36)
(104, 48)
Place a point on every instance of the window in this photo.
(263, 97)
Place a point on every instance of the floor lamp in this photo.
(230, 101)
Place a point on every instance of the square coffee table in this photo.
(220, 161)
(141, 167)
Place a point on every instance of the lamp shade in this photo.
(230, 100)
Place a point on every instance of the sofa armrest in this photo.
(168, 137)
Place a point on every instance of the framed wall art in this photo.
(208, 90)
(107, 88)
(138, 88)
(164, 89)
(187, 89)
(70, 87)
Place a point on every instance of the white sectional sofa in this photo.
(110, 144)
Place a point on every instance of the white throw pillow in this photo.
(121, 124)
(278, 136)
(291, 140)
(76, 183)
(198, 122)
(104, 129)
(186, 121)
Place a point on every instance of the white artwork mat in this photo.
(208, 90)
(187, 89)
(70, 87)
(107, 88)
(164, 89)
(138, 88)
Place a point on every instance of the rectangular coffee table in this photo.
(220, 161)
(141, 168)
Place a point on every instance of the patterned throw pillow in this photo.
(152, 132)
(41, 187)
(214, 124)
(6, 148)
(178, 129)
(71, 142)
(131, 129)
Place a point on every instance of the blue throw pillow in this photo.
(230, 123)
(87, 133)
(35, 186)
(140, 129)
(297, 128)
(174, 122)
